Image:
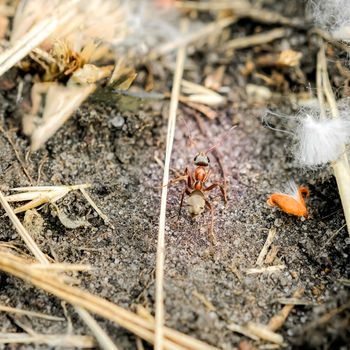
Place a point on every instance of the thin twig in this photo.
(294, 301)
(263, 332)
(242, 330)
(256, 39)
(333, 235)
(256, 332)
(139, 344)
(266, 246)
(278, 320)
(319, 85)
(268, 269)
(159, 320)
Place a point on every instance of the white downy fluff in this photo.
(291, 189)
(333, 16)
(320, 141)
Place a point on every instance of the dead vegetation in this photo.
(67, 54)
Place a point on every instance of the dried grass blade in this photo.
(256, 39)
(32, 246)
(39, 255)
(50, 188)
(32, 204)
(174, 100)
(61, 267)
(21, 197)
(17, 311)
(126, 319)
(55, 340)
(102, 338)
(92, 203)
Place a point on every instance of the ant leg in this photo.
(207, 176)
(222, 189)
(212, 236)
(177, 179)
(188, 192)
(187, 177)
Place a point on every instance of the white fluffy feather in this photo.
(291, 189)
(334, 16)
(320, 141)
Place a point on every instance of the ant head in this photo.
(201, 159)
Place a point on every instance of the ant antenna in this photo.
(191, 140)
(222, 139)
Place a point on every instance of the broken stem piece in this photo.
(340, 166)
(277, 321)
(269, 240)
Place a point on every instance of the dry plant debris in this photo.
(98, 332)
(39, 195)
(52, 340)
(264, 250)
(340, 166)
(67, 32)
(14, 310)
(54, 284)
(277, 321)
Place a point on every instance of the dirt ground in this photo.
(121, 152)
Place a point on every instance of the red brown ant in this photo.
(195, 185)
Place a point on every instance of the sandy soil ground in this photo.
(206, 286)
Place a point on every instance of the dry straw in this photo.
(144, 328)
(98, 332)
(159, 332)
(340, 166)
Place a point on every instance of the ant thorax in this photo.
(201, 159)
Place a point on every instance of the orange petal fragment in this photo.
(290, 204)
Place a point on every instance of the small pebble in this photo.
(118, 121)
